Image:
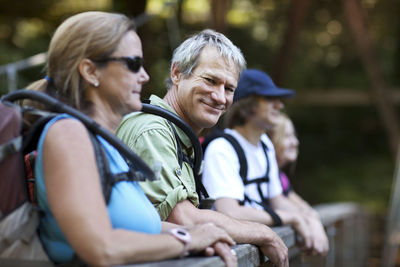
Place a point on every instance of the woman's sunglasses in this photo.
(133, 63)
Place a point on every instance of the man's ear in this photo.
(176, 75)
(89, 72)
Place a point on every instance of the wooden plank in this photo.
(332, 216)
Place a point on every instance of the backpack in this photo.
(197, 162)
(19, 215)
(217, 133)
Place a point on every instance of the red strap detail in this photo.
(30, 179)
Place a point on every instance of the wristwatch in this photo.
(183, 236)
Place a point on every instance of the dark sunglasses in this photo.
(133, 63)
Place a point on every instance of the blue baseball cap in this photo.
(257, 82)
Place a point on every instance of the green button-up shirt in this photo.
(152, 138)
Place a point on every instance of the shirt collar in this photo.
(157, 101)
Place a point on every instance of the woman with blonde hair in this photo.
(286, 144)
(95, 64)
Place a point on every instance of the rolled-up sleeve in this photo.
(157, 145)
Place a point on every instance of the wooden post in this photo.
(219, 9)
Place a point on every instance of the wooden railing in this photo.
(347, 228)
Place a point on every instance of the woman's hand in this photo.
(299, 225)
(320, 244)
(212, 239)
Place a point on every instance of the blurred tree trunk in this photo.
(219, 9)
(396, 55)
(130, 8)
(297, 13)
(358, 26)
(179, 11)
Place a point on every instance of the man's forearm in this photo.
(269, 242)
(241, 231)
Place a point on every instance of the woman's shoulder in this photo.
(64, 127)
(64, 121)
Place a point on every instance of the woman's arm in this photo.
(302, 204)
(76, 200)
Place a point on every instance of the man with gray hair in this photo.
(204, 73)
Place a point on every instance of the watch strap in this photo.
(183, 236)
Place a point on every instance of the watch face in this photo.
(182, 234)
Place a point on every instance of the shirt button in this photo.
(178, 172)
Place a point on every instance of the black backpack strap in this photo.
(181, 156)
(198, 153)
(32, 135)
(267, 208)
(243, 173)
(201, 190)
(107, 178)
(102, 166)
(275, 217)
(241, 156)
(216, 133)
(142, 170)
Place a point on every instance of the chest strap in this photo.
(182, 157)
(259, 181)
(109, 179)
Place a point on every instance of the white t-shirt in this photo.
(221, 176)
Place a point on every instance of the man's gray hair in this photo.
(186, 56)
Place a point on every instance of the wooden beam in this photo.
(340, 97)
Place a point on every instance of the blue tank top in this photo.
(128, 208)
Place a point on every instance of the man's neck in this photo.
(250, 133)
(172, 100)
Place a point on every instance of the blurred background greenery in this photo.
(345, 151)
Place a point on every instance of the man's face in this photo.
(267, 112)
(207, 93)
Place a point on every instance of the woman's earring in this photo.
(96, 84)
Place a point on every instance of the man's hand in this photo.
(271, 245)
(205, 235)
(213, 239)
(276, 250)
(225, 252)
